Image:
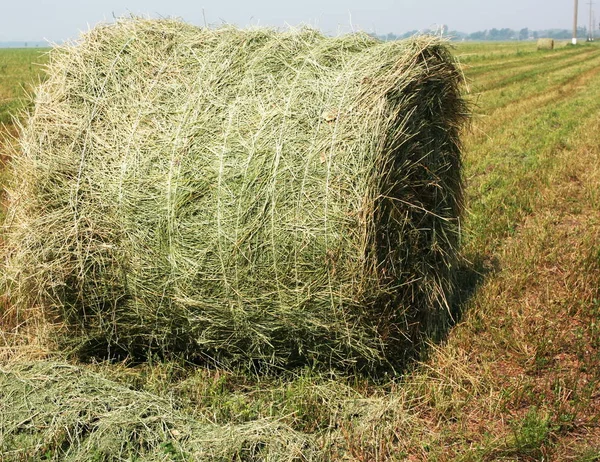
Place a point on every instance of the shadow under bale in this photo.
(240, 196)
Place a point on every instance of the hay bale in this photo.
(240, 195)
(56, 411)
(545, 44)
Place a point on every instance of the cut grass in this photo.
(82, 416)
(519, 376)
(221, 212)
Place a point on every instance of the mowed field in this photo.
(20, 71)
(517, 377)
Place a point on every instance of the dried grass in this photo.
(56, 411)
(232, 195)
(545, 44)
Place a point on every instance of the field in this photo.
(516, 378)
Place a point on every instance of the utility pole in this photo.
(591, 26)
(575, 24)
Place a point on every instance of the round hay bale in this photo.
(545, 44)
(240, 195)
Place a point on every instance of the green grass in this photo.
(20, 69)
(518, 377)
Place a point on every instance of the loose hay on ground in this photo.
(239, 195)
(56, 411)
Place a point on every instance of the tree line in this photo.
(504, 34)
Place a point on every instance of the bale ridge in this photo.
(240, 195)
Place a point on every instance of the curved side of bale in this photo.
(545, 44)
(240, 195)
(60, 410)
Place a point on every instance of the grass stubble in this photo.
(518, 377)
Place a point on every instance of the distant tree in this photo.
(562, 34)
(494, 34)
(480, 35)
(524, 34)
(408, 34)
(457, 35)
(501, 34)
(558, 34)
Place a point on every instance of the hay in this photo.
(55, 411)
(545, 44)
(240, 195)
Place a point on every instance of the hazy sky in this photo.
(57, 20)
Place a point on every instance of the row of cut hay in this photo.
(56, 411)
(235, 195)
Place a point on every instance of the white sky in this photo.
(57, 20)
